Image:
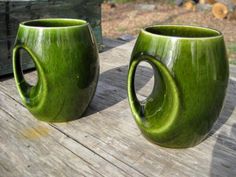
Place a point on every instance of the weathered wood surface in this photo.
(106, 141)
(14, 12)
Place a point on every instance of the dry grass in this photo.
(127, 19)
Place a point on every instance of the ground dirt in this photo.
(128, 18)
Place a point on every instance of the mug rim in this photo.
(79, 22)
(218, 33)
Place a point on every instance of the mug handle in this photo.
(28, 93)
(170, 105)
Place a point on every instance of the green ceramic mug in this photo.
(66, 58)
(190, 79)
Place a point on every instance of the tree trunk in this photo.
(220, 10)
(189, 5)
(207, 1)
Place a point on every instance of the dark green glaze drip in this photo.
(65, 55)
(191, 76)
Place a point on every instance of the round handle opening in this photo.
(25, 58)
(144, 81)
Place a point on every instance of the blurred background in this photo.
(122, 19)
(115, 22)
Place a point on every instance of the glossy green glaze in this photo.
(66, 58)
(191, 76)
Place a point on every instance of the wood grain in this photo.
(14, 12)
(106, 141)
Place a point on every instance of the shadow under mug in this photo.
(190, 79)
(66, 58)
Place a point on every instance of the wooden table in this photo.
(106, 141)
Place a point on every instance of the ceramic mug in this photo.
(66, 58)
(190, 79)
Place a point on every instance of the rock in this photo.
(204, 7)
(126, 37)
(145, 7)
(229, 3)
(232, 16)
(179, 2)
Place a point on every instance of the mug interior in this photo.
(183, 31)
(49, 23)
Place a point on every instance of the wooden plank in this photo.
(111, 43)
(109, 130)
(6, 64)
(14, 12)
(3, 27)
(125, 140)
(233, 71)
(20, 156)
(34, 147)
(22, 11)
